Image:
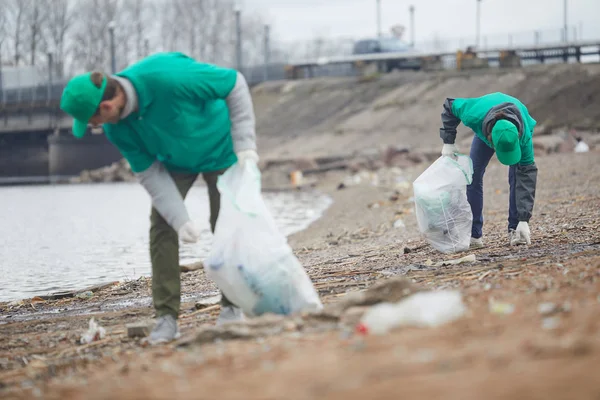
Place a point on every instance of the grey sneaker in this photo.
(230, 314)
(476, 243)
(165, 330)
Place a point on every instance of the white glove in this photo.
(188, 233)
(522, 234)
(247, 155)
(449, 150)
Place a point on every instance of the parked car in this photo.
(388, 45)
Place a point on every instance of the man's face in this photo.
(109, 114)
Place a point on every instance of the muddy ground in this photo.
(490, 353)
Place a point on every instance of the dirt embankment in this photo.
(342, 115)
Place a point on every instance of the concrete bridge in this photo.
(36, 143)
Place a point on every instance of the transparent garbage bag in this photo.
(443, 212)
(250, 260)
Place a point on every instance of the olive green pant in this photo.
(164, 247)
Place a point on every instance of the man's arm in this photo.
(164, 194)
(526, 181)
(241, 111)
(153, 176)
(449, 123)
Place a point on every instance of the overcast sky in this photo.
(306, 19)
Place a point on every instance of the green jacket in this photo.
(182, 118)
(478, 113)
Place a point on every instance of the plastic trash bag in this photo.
(443, 212)
(250, 260)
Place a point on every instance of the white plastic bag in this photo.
(251, 261)
(443, 211)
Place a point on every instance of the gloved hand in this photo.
(521, 235)
(448, 150)
(247, 155)
(188, 233)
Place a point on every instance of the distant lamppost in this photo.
(238, 36)
(267, 51)
(565, 29)
(411, 9)
(113, 60)
(378, 5)
(478, 22)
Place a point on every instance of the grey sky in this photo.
(306, 19)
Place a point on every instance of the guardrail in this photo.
(434, 60)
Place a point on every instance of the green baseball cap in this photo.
(505, 137)
(80, 99)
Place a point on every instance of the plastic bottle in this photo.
(423, 309)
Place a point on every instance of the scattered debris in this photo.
(85, 295)
(73, 293)
(389, 290)
(425, 309)
(399, 224)
(547, 308)
(466, 259)
(207, 302)
(550, 323)
(139, 329)
(192, 267)
(497, 307)
(94, 333)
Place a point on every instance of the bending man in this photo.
(172, 118)
(503, 126)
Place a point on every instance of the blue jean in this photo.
(481, 154)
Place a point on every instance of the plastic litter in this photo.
(399, 224)
(94, 332)
(423, 309)
(582, 147)
(85, 295)
(550, 323)
(466, 259)
(250, 260)
(443, 212)
(498, 307)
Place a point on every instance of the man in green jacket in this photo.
(172, 118)
(502, 125)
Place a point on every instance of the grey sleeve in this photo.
(241, 113)
(449, 123)
(526, 181)
(164, 194)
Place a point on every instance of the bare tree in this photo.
(35, 19)
(135, 19)
(16, 12)
(90, 40)
(59, 22)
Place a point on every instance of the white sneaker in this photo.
(230, 314)
(476, 243)
(164, 331)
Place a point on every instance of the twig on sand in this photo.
(209, 308)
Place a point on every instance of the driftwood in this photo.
(73, 293)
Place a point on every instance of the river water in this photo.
(65, 237)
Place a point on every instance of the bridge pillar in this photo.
(68, 156)
(23, 154)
